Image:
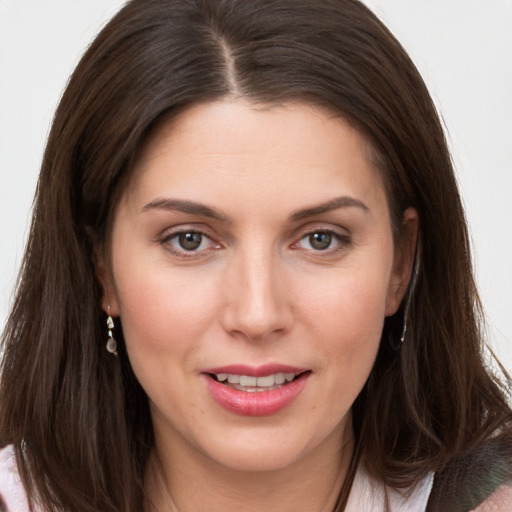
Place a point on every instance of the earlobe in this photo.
(405, 257)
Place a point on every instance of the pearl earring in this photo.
(111, 343)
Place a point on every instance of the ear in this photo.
(404, 261)
(109, 302)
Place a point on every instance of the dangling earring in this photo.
(111, 343)
(412, 286)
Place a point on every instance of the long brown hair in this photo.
(78, 419)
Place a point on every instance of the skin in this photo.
(257, 290)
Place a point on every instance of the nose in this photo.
(257, 304)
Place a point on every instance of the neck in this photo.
(312, 484)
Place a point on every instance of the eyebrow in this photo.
(193, 208)
(185, 206)
(333, 204)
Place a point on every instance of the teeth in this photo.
(279, 378)
(267, 381)
(253, 383)
(248, 381)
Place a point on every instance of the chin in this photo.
(265, 450)
(258, 459)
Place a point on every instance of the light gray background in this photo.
(463, 48)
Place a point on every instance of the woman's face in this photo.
(252, 267)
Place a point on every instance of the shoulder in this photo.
(367, 494)
(499, 501)
(12, 494)
(480, 480)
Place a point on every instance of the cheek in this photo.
(352, 305)
(160, 309)
(348, 319)
(355, 332)
(351, 333)
(164, 319)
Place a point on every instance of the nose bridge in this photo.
(256, 305)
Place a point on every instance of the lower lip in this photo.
(258, 403)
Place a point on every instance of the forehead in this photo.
(294, 149)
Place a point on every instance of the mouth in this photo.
(253, 384)
(256, 390)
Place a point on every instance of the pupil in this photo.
(190, 241)
(320, 241)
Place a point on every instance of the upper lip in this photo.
(255, 371)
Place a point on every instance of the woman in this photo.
(235, 291)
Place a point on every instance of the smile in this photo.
(251, 384)
(263, 392)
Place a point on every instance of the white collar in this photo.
(368, 495)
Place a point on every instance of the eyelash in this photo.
(342, 241)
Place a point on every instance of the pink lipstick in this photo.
(255, 391)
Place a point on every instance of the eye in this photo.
(322, 241)
(188, 242)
